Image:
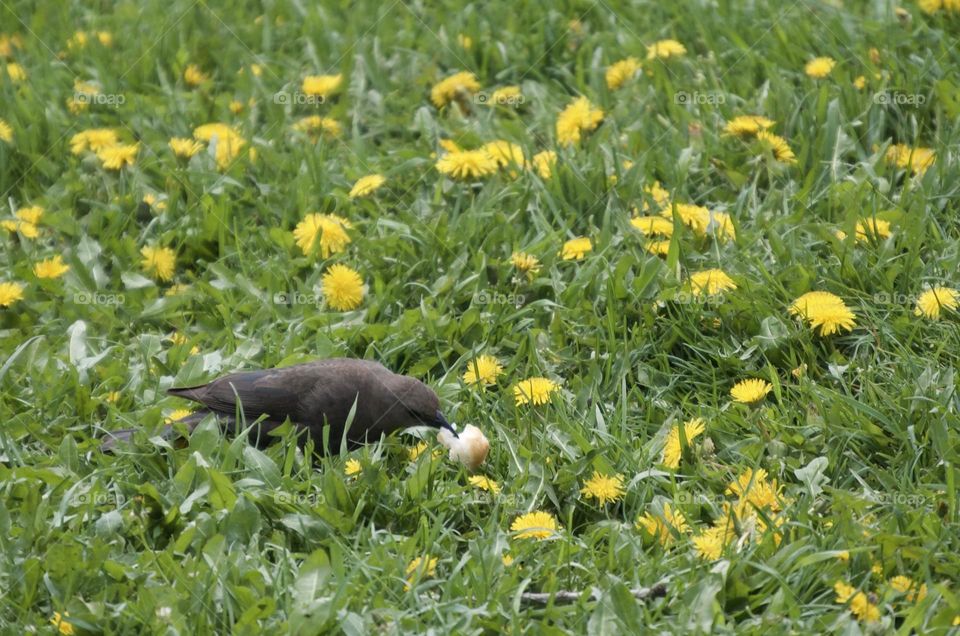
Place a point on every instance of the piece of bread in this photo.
(470, 448)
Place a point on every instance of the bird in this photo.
(311, 395)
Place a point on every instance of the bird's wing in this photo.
(271, 392)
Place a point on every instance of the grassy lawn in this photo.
(697, 285)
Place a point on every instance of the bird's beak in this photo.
(441, 422)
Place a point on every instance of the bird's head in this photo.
(421, 403)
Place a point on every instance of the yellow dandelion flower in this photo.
(420, 568)
(508, 95)
(860, 82)
(176, 415)
(105, 38)
(93, 140)
(159, 262)
(505, 153)
(415, 451)
(605, 489)
(184, 147)
(663, 527)
(843, 591)
(710, 282)
(747, 125)
(315, 125)
(932, 6)
(703, 220)
(619, 73)
(657, 248)
(178, 338)
(427, 565)
(30, 214)
(825, 311)
(671, 447)
(15, 72)
(482, 371)
(367, 185)
(343, 288)
(51, 268)
(534, 391)
(900, 583)
(194, 76)
(6, 132)
(10, 293)
(226, 140)
(934, 300)
(844, 555)
(228, 151)
(905, 585)
(326, 232)
(449, 145)
(64, 627)
(537, 525)
(27, 230)
(752, 487)
(750, 391)
(710, 543)
(579, 117)
(352, 468)
(457, 86)
(858, 602)
(507, 561)
(465, 41)
(918, 160)
(869, 229)
(8, 43)
(777, 145)
(116, 157)
(78, 40)
(659, 195)
(86, 88)
(321, 85)
(576, 249)
(819, 67)
(484, 483)
(525, 263)
(665, 49)
(653, 225)
(696, 217)
(544, 162)
(76, 106)
(467, 164)
(236, 106)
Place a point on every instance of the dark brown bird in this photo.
(311, 396)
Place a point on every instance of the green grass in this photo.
(219, 537)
